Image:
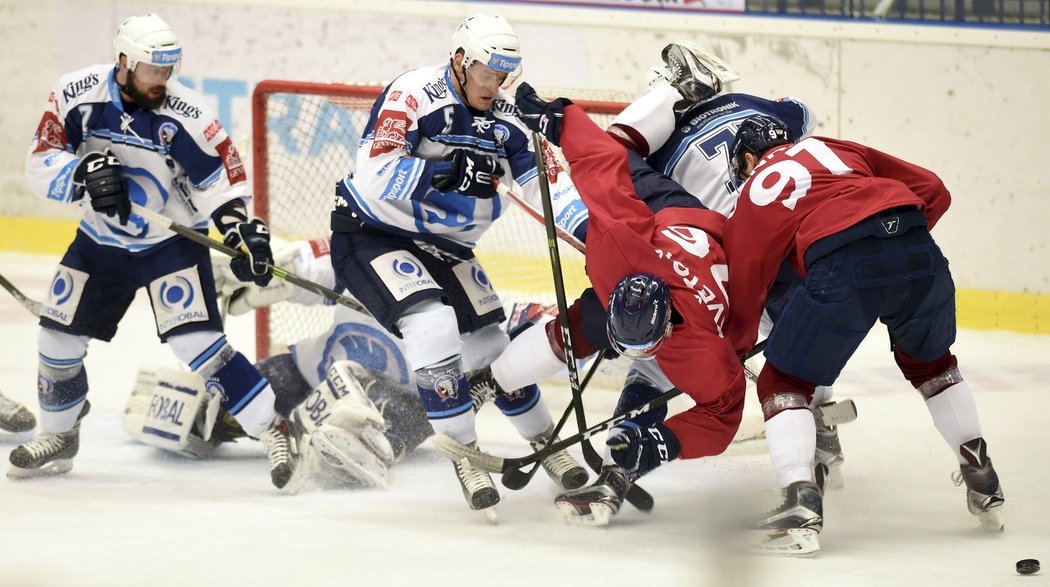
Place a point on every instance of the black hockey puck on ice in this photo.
(1028, 566)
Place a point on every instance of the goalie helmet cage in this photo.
(304, 137)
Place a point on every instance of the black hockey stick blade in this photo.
(516, 478)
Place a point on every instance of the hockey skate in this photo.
(483, 388)
(51, 453)
(478, 488)
(560, 466)
(283, 441)
(829, 450)
(792, 528)
(696, 74)
(984, 495)
(596, 504)
(14, 417)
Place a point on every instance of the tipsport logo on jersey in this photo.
(177, 299)
(64, 295)
(402, 274)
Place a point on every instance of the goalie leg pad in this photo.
(350, 457)
(168, 409)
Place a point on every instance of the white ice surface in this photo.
(130, 515)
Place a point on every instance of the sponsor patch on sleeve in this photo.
(50, 135)
(391, 128)
(231, 160)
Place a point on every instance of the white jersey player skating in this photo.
(408, 216)
(128, 132)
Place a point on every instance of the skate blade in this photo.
(48, 470)
(490, 515)
(793, 542)
(599, 517)
(329, 451)
(992, 520)
(308, 464)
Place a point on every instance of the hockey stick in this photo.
(518, 479)
(566, 237)
(637, 496)
(28, 303)
(193, 235)
(456, 450)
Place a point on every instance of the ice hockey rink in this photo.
(130, 515)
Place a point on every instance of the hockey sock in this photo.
(792, 439)
(954, 413)
(526, 410)
(245, 393)
(527, 359)
(62, 387)
(446, 398)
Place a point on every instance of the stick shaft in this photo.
(27, 302)
(191, 234)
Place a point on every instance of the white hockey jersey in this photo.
(178, 159)
(692, 148)
(420, 119)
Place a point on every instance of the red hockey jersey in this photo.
(801, 193)
(681, 245)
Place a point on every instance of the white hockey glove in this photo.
(346, 428)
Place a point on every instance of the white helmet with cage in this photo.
(488, 40)
(148, 39)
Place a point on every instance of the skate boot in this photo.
(14, 417)
(984, 496)
(829, 450)
(51, 453)
(792, 528)
(560, 466)
(483, 388)
(478, 488)
(597, 503)
(283, 441)
(695, 73)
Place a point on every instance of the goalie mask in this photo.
(639, 316)
(488, 41)
(756, 135)
(148, 39)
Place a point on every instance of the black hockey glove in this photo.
(640, 450)
(251, 237)
(540, 115)
(468, 173)
(102, 176)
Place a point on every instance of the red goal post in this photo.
(304, 137)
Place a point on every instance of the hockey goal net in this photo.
(304, 136)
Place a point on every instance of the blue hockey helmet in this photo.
(756, 135)
(639, 315)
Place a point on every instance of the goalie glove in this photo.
(540, 115)
(102, 176)
(251, 237)
(640, 450)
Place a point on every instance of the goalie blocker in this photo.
(345, 432)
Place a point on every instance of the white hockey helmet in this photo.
(490, 41)
(148, 39)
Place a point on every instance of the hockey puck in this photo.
(1028, 566)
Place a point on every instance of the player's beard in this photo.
(144, 99)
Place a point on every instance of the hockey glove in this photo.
(468, 173)
(640, 450)
(251, 237)
(540, 115)
(102, 177)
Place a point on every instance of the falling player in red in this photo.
(665, 274)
